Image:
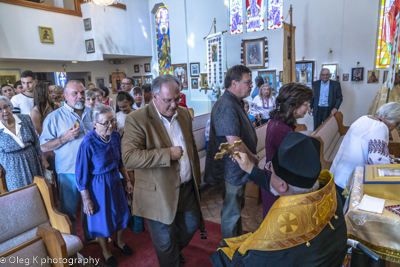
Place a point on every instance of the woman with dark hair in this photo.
(125, 102)
(43, 105)
(292, 103)
(108, 101)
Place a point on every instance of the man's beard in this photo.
(80, 105)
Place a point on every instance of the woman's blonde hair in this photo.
(263, 86)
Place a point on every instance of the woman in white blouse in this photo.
(262, 104)
(366, 142)
(20, 156)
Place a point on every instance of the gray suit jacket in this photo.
(146, 150)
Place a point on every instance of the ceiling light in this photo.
(74, 61)
(104, 2)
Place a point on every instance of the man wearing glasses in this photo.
(230, 123)
(159, 145)
(327, 98)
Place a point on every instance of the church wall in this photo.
(348, 27)
(19, 34)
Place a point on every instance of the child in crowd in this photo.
(125, 102)
(246, 109)
(90, 98)
(137, 94)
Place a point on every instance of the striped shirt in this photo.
(56, 125)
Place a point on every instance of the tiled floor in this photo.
(211, 203)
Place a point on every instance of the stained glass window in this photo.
(163, 41)
(255, 18)
(387, 27)
(275, 14)
(235, 16)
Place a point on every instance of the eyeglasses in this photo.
(126, 83)
(4, 108)
(169, 101)
(246, 82)
(325, 74)
(108, 123)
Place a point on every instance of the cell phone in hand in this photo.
(76, 125)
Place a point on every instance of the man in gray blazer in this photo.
(327, 98)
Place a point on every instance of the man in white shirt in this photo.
(23, 103)
(159, 145)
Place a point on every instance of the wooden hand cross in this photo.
(226, 148)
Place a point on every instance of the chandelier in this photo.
(104, 2)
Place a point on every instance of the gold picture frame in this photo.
(253, 53)
(203, 80)
(46, 35)
(382, 181)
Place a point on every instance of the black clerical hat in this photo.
(297, 160)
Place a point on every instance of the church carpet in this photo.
(196, 253)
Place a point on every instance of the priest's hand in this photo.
(243, 161)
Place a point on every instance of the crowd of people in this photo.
(144, 145)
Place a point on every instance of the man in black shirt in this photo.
(230, 123)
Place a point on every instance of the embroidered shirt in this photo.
(324, 94)
(175, 135)
(262, 106)
(56, 125)
(366, 142)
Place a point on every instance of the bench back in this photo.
(200, 121)
(329, 133)
(21, 210)
(261, 133)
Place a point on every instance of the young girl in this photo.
(263, 104)
(246, 109)
(90, 98)
(137, 94)
(125, 102)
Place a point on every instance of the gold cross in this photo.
(226, 148)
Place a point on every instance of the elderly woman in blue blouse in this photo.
(20, 155)
(97, 177)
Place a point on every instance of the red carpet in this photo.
(196, 253)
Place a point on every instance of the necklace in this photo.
(104, 140)
(10, 125)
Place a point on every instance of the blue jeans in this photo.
(231, 219)
(69, 199)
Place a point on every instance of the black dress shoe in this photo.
(126, 250)
(111, 261)
(182, 258)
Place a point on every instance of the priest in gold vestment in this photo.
(305, 226)
(380, 98)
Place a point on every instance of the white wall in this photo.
(116, 32)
